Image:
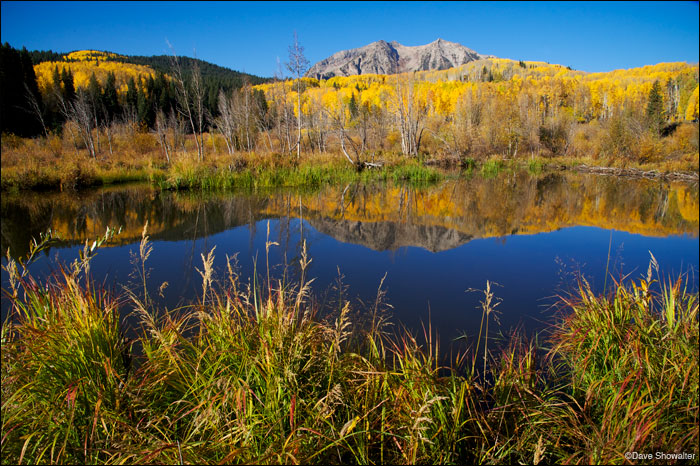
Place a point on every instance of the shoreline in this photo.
(273, 172)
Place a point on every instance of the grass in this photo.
(633, 361)
(219, 172)
(252, 372)
(58, 163)
(491, 168)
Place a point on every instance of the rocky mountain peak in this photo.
(383, 57)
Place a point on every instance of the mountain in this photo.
(383, 57)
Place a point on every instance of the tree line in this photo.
(492, 106)
(135, 98)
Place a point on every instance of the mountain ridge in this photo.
(382, 57)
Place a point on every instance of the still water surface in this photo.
(533, 235)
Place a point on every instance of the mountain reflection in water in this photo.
(533, 235)
(380, 217)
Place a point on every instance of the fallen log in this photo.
(635, 173)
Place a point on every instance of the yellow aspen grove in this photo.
(486, 107)
(85, 63)
(490, 106)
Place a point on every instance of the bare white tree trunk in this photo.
(297, 65)
(66, 112)
(82, 113)
(35, 108)
(191, 104)
(410, 116)
(226, 120)
(162, 133)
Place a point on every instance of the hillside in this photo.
(226, 76)
(547, 88)
(83, 63)
(125, 86)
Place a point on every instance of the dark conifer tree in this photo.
(17, 82)
(141, 107)
(109, 97)
(131, 94)
(352, 106)
(145, 107)
(655, 109)
(10, 87)
(68, 86)
(54, 117)
(161, 94)
(93, 88)
(56, 78)
(212, 100)
(29, 74)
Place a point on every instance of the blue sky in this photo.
(250, 36)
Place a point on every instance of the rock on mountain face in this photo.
(383, 57)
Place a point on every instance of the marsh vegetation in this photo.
(255, 374)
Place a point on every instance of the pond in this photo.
(533, 236)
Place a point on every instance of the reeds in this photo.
(633, 363)
(64, 366)
(254, 372)
(29, 164)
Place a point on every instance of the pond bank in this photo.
(251, 170)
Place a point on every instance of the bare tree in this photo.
(82, 113)
(318, 124)
(341, 123)
(190, 101)
(458, 131)
(297, 65)
(129, 119)
(176, 130)
(94, 107)
(225, 122)
(409, 114)
(65, 108)
(283, 114)
(244, 117)
(35, 108)
(106, 124)
(263, 120)
(198, 104)
(162, 132)
(170, 131)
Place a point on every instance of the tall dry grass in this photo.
(253, 372)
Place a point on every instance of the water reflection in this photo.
(533, 235)
(379, 217)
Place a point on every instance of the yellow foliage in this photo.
(583, 95)
(84, 63)
(87, 55)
